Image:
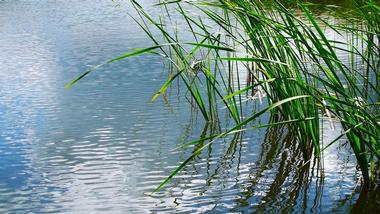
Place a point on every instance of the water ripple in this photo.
(101, 147)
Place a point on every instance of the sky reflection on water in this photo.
(100, 146)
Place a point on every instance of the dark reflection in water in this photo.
(100, 146)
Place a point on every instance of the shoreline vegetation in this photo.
(287, 60)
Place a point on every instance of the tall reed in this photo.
(285, 57)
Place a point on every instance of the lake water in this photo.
(100, 146)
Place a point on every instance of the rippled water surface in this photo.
(100, 146)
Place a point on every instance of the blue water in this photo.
(101, 146)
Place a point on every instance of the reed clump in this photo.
(287, 58)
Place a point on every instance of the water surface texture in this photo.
(100, 146)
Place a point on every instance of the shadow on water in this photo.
(289, 184)
(368, 201)
(279, 178)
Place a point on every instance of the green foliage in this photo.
(289, 58)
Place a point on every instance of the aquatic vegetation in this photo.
(290, 60)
